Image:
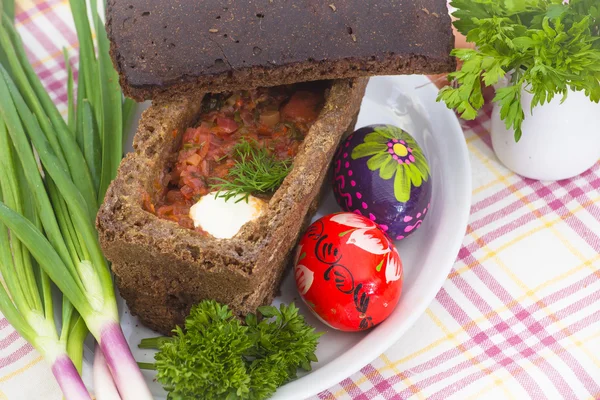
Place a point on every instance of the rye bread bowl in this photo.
(161, 268)
(175, 54)
(170, 48)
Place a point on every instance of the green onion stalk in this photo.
(103, 380)
(27, 300)
(77, 160)
(84, 278)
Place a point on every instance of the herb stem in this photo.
(153, 343)
(147, 366)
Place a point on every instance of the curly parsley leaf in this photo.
(543, 46)
(217, 357)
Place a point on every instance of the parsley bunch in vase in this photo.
(543, 59)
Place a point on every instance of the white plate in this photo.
(428, 255)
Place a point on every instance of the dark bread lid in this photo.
(163, 48)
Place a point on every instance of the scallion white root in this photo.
(104, 386)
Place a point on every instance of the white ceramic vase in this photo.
(559, 141)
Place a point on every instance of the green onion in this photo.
(112, 147)
(91, 146)
(86, 282)
(49, 207)
(70, 101)
(28, 304)
(78, 331)
(52, 123)
(87, 60)
(7, 7)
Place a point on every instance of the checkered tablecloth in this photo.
(518, 317)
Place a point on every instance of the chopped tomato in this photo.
(189, 134)
(187, 191)
(222, 170)
(175, 196)
(277, 119)
(302, 107)
(227, 125)
(204, 127)
(204, 141)
(205, 168)
(184, 155)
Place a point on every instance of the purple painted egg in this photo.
(380, 172)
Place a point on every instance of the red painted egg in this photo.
(348, 272)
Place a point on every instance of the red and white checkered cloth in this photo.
(518, 317)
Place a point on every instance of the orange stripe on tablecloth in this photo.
(535, 351)
(358, 382)
(497, 383)
(556, 233)
(499, 310)
(541, 304)
(26, 5)
(544, 306)
(345, 389)
(459, 345)
(534, 363)
(401, 375)
(56, 54)
(467, 267)
(492, 183)
(22, 369)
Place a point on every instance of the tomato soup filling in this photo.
(263, 127)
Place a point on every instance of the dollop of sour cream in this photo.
(224, 219)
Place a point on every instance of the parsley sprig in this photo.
(217, 357)
(543, 46)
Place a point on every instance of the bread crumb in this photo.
(333, 7)
(354, 37)
(213, 30)
(426, 11)
(435, 15)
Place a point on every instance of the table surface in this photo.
(518, 317)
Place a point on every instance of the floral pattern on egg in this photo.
(381, 172)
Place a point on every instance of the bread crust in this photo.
(222, 45)
(162, 269)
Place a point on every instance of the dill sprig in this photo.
(256, 171)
